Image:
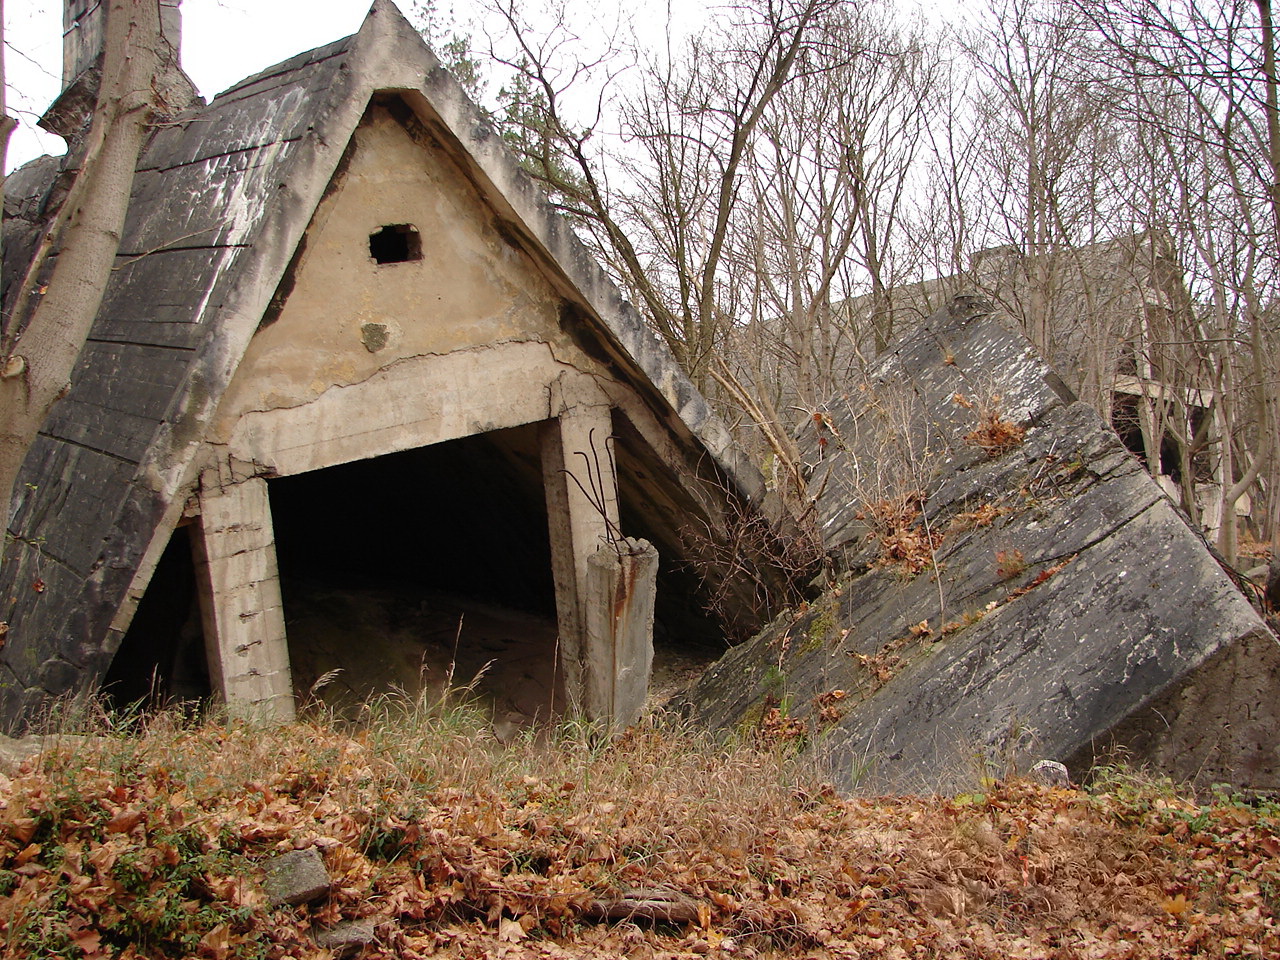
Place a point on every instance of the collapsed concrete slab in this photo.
(1012, 586)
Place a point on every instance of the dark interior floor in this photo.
(409, 574)
(350, 645)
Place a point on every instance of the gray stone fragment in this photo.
(14, 751)
(621, 583)
(1051, 773)
(345, 939)
(374, 336)
(296, 877)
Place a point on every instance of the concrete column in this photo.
(622, 581)
(240, 604)
(582, 510)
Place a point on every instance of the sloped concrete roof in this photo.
(221, 201)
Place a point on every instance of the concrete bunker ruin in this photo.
(384, 364)
(407, 573)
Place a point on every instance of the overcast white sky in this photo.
(224, 41)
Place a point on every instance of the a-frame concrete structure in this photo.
(338, 260)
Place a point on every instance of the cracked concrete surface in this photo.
(1078, 614)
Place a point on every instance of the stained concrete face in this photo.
(1014, 587)
(1218, 725)
(462, 336)
(472, 297)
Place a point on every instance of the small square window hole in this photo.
(398, 243)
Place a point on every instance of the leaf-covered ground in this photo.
(150, 845)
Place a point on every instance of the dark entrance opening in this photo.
(420, 569)
(161, 660)
(1127, 423)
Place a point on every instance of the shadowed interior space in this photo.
(417, 570)
(161, 659)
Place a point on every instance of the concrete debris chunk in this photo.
(1051, 773)
(15, 751)
(346, 939)
(1013, 585)
(296, 877)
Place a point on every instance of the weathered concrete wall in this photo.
(999, 606)
(200, 256)
(471, 290)
(468, 337)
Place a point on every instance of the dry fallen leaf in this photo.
(124, 821)
(510, 930)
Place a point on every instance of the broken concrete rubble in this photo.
(1013, 587)
(296, 877)
(348, 938)
(618, 658)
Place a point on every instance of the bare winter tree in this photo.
(662, 201)
(774, 194)
(1116, 192)
(1198, 81)
(832, 189)
(661, 211)
(1042, 150)
(7, 123)
(761, 176)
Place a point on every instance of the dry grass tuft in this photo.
(907, 544)
(994, 434)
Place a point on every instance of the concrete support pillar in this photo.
(622, 581)
(240, 604)
(582, 513)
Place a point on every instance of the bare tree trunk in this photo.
(1270, 383)
(38, 357)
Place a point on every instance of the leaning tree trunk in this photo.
(39, 355)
